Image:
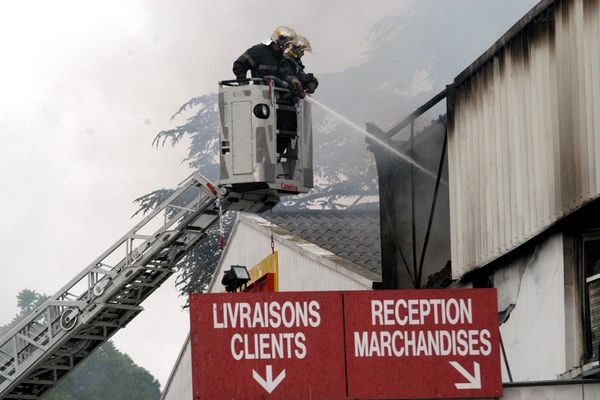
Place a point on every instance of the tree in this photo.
(339, 175)
(106, 374)
(27, 301)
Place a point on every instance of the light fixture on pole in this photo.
(235, 278)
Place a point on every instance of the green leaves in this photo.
(28, 300)
(106, 374)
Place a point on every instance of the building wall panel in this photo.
(179, 386)
(534, 284)
(571, 391)
(524, 133)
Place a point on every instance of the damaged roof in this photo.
(352, 235)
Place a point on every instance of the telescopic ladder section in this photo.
(106, 295)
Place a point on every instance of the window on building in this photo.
(590, 259)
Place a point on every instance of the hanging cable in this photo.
(510, 378)
(417, 281)
(222, 242)
(272, 238)
(272, 244)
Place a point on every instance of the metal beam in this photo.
(415, 114)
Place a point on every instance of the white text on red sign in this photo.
(418, 343)
(274, 315)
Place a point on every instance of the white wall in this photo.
(589, 391)
(179, 386)
(535, 335)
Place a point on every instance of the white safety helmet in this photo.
(302, 42)
(282, 35)
(297, 47)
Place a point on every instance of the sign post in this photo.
(408, 344)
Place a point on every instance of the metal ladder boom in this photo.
(106, 295)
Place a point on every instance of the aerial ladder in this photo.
(265, 153)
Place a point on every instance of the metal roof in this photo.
(352, 235)
(517, 29)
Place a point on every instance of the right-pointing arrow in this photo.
(474, 380)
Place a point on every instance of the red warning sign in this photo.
(267, 345)
(422, 344)
(405, 344)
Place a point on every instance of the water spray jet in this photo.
(372, 137)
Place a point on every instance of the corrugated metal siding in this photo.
(524, 134)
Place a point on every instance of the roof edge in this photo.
(503, 41)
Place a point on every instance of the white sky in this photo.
(84, 88)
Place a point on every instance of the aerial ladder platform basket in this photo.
(266, 138)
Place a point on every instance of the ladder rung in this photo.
(195, 229)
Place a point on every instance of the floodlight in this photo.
(235, 278)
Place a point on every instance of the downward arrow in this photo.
(268, 384)
(474, 380)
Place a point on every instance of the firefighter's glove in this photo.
(311, 86)
(296, 84)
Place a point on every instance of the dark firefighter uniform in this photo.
(261, 60)
(292, 69)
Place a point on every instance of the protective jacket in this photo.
(291, 68)
(261, 60)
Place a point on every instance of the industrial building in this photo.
(523, 135)
(515, 204)
(523, 138)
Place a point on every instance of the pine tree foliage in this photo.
(203, 129)
(198, 266)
